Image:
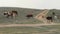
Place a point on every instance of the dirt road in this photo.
(30, 25)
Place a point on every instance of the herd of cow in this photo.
(13, 14)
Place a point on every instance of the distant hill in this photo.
(21, 18)
(22, 12)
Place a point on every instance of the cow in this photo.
(15, 12)
(49, 19)
(29, 15)
(11, 14)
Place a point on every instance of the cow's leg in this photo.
(12, 16)
(51, 20)
(48, 21)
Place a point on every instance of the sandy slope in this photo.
(43, 13)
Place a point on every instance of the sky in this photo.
(34, 4)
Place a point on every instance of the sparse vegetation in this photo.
(53, 29)
(21, 18)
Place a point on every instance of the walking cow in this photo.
(49, 19)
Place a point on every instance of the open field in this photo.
(50, 29)
(22, 25)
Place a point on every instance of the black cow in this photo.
(49, 18)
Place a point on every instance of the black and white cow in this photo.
(11, 14)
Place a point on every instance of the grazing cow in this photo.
(49, 18)
(14, 13)
(11, 14)
(29, 15)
